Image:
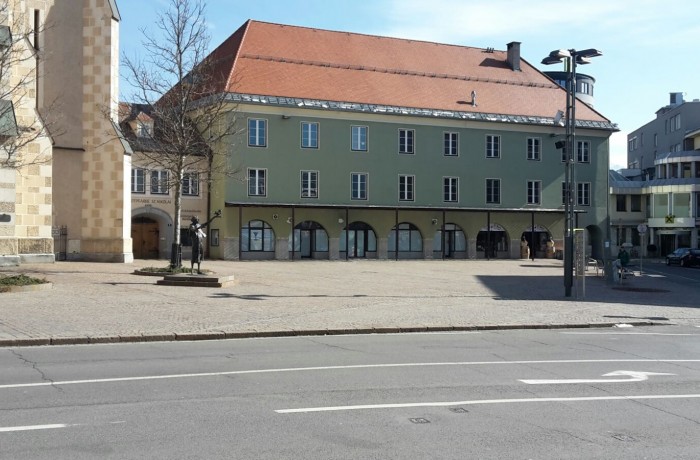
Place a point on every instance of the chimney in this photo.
(676, 98)
(514, 56)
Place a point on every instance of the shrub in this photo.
(20, 280)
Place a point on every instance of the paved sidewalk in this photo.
(98, 302)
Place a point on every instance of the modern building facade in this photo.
(365, 146)
(664, 134)
(661, 187)
(76, 204)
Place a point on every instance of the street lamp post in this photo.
(570, 58)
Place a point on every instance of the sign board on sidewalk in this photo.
(580, 260)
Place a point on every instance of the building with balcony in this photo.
(667, 133)
(661, 189)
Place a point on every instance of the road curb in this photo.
(221, 335)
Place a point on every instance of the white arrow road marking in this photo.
(331, 368)
(631, 376)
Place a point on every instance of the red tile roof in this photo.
(297, 62)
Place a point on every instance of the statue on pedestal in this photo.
(197, 236)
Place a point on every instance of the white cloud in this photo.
(618, 150)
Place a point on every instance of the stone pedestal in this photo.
(184, 279)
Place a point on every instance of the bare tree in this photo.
(176, 86)
(24, 118)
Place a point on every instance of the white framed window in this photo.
(406, 139)
(144, 129)
(358, 186)
(138, 180)
(534, 148)
(358, 140)
(493, 146)
(675, 122)
(534, 189)
(257, 132)
(257, 182)
(450, 144)
(585, 87)
(583, 151)
(309, 184)
(583, 193)
(450, 189)
(406, 184)
(309, 135)
(493, 191)
(159, 182)
(190, 184)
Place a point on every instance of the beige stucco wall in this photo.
(161, 208)
(92, 194)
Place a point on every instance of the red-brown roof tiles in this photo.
(297, 62)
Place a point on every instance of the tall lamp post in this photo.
(570, 58)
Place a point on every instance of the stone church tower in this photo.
(71, 197)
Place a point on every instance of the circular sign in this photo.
(642, 228)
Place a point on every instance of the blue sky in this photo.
(649, 46)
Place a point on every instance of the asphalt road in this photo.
(688, 276)
(593, 393)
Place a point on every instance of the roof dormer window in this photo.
(144, 129)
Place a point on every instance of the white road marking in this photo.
(326, 368)
(629, 333)
(630, 376)
(483, 401)
(8, 429)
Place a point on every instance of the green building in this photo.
(359, 146)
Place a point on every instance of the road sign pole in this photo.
(642, 229)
